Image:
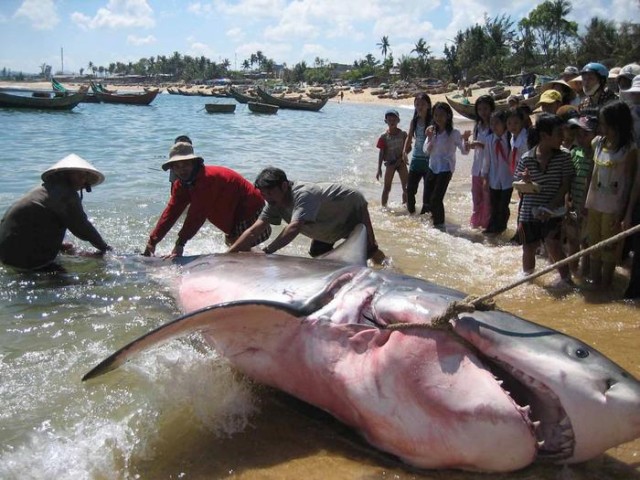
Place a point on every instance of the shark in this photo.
(491, 392)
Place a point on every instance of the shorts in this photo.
(240, 227)
(532, 232)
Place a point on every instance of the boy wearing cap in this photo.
(32, 230)
(550, 101)
(391, 145)
(218, 194)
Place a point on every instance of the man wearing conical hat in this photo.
(214, 193)
(33, 228)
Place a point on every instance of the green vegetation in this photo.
(544, 42)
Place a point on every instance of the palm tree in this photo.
(421, 48)
(246, 65)
(384, 46)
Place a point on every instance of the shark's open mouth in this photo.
(541, 407)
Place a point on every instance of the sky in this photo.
(35, 32)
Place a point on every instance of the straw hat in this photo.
(180, 151)
(576, 83)
(614, 72)
(75, 163)
(553, 83)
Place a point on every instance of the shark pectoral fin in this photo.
(353, 249)
(203, 320)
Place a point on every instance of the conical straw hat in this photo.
(72, 163)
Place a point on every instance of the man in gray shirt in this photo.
(33, 228)
(325, 213)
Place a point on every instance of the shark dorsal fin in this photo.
(353, 249)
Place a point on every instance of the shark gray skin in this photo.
(493, 393)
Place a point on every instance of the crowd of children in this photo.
(575, 169)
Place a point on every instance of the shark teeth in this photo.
(541, 407)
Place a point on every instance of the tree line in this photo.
(543, 42)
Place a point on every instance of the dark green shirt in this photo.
(33, 229)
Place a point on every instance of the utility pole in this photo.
(62, 61)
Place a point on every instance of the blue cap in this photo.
(391, 111)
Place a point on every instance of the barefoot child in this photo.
(497, 172)
(614, 157)
(391, 144)
(419, 166)
(550, 168)
(484, 106)
(440, 146)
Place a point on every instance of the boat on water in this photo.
(220, 107)
(43, 100)
(242, 97)
(467, 110)
(141, 98)
(258, 107)
(311, 105)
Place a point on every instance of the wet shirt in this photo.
(497, 162)
(583, 165)
(550, 180)
(419, 160)
(328, 211)
(442, 151)
(392, 146)
(33, 229)
(218, 194)
(481, 134)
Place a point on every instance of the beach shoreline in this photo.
(364, 97)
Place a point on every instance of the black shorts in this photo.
(532, 232)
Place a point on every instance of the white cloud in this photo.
(199, 9)
(235, 34)
(135, 40)
(118, 14)
(251, 8)
(41, 13)
(197, 49)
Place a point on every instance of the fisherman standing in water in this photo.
(33, 229)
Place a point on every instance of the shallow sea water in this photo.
(180, 411)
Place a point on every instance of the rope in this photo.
(485, 302)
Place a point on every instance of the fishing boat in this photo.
(322, 95)
(258, 107)
(242, 97)
(220, 107)
(467, 110)
(141, 98)
(46, 101)
(311, 105)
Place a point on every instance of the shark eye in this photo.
(582, 353)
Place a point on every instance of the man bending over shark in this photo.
(325, 213)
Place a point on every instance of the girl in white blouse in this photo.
(440, 146)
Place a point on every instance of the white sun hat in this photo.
(635, 85)
(75, 163)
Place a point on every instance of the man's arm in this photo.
(246, 240)
(286, 236)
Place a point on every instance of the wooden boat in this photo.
(220, 107)
(257, 107)
(49, 102)
(172, 91)
(322, 95)
(313, 105)
(467, 110)
(143, 98)
(242, 97)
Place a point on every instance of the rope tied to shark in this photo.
(485, 302)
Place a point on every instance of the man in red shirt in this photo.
(218, 194)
